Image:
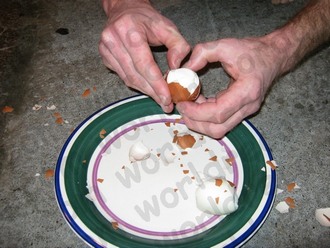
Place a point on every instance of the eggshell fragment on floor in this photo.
(183, 84)
(282, 207)
(322, 215)
(292, 186)
(138, 152)
(279, 191)
(7, 109)
(36, 107)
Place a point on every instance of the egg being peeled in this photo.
(217, 196)
(184, 84)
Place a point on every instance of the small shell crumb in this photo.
(49, 173)
(272, 164)
(114, 225)
(230, 161)
(102, 133)
(214, 158)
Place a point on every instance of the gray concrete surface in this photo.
(40, 66)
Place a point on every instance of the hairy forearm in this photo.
(108, 5)
(302, 34)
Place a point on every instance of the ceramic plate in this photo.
(110, 200)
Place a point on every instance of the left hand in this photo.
(252, 65)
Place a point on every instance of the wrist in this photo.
(284, 46)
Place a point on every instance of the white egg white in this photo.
(217, 200)
(185, 77)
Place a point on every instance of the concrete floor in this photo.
(41, 66)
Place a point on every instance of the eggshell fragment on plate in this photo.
(138, 152)
(272, 164)
(217, 196)
(102, 133)
(169, 156)
(184, 140)
(322, 215)
(115, 225)
(183, 84)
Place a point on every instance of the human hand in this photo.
(132, 27)
(252, 64)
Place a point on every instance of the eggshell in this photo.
(216, 196)
(282, 207)
(183, 84)
(322, 215)
(185, 140)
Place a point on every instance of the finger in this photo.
(201, 99)
(217, 131)
(203, 54)
(115, 54)
(177, 53)
(144, 64)
(108, 59)
(230, 101)
(178, 49)
(169, 35)
(128, 73)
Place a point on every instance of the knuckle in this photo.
(199, 48)
(105, 35)
(219, 117)
(254, 92)
(254, 108)
(185, 48)
(142, 64)
(216, 133)
(107, 38)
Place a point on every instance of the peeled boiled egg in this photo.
(217, 196)
(184, 84)
(138, 151)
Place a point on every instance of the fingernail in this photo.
(187, 64)
(164, 100)
(177, 63)
(167, 108)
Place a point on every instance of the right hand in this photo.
(251, 63)
(132, 27)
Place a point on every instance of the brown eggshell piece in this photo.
(186, 141)
(180, 93)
